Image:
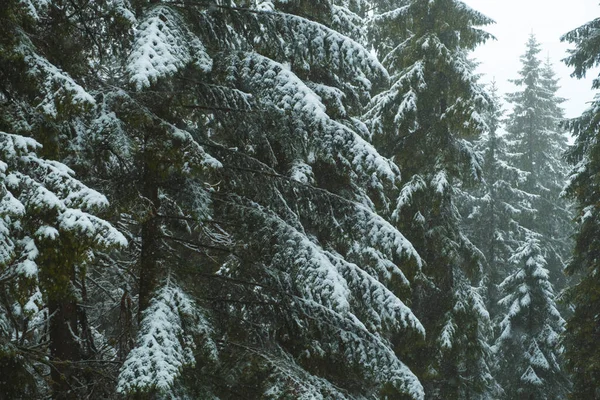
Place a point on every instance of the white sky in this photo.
(548, 20)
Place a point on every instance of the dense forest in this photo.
(291, 199)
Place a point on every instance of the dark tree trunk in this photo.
(64, 348)
(126, 342)
(149, 267)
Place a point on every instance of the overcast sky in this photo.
(548, 20)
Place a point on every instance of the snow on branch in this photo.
(282, 90)
(163, 346)
(57, 88)
(326, 278)
(163, 46)
(289, 378)
(319, 45)
(367, 349)
(34, 186)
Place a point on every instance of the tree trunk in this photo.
(64, 348)
(149, 267)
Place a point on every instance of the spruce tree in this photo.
(582, 350)
(251, 203)
(50, 235)
(528, 351)
(537, 146)
(492, 210)
(529, 321)
(48, 238)
(520, 295)
(424, 120)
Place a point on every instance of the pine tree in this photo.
(528, 349)
(537, 146)
(424, 121)
(330, 253)
(582, 351)
(492, 211)
(48, 237)
(520, 293)
(51, 236)
(530, 323)
(252, 192)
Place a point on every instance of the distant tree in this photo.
(529, 322)
(425, 121)
(582, 349)
(528, 350)
(537, 144)
(492, 211)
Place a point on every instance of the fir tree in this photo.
(51, 227)
(531, 171)
(251, 189)
(492, 211)
(582, 351)
(425, 120)
(537, 146)
(528, 349)
(47, 240)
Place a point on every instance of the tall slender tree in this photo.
(582, 350)
(537, 146)
(529, 363)
(424, 121)
(492, 211)
(529, 323)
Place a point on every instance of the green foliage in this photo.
(424, 121)
(225, 138)
(250, 154)
(582, 352)
(529, 356)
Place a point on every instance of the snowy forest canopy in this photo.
(291, 199)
